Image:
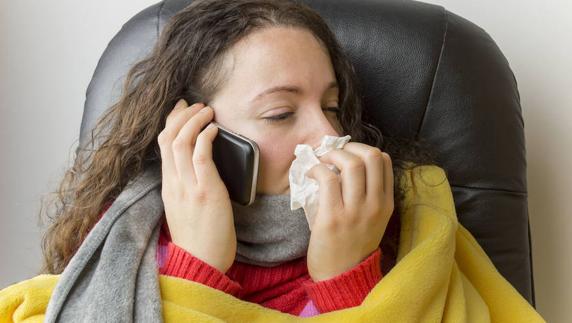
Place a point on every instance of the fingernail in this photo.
(204, 110)
(180, 103)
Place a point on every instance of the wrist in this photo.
(202, 256)
(333, 271)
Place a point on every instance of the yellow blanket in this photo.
(441, 275)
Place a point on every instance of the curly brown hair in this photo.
(186, 62)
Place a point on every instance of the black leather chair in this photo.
(427, 73)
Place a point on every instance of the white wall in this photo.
(49, 50)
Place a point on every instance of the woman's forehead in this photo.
(272, 50)
(275, 63)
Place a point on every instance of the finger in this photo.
(205, 167)
(352, 173)
(375, 164)
(388, 176)
(183, 145)
(181, 108)
(175, 120)
(329, 192)
(179, 116)
(181, 104)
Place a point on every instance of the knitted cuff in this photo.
(347, 289)
(182, 264)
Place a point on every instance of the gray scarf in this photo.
(113, 277)
(269, 233)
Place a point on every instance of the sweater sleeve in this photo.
(347, 289)
(182, 264)
(176, 261)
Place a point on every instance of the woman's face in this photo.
(278, 57)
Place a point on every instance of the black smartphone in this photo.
(236, 159)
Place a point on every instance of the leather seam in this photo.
(445, 16)
(491, 189)
(532, 292)
(159, 12)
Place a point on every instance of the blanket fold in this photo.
(441, 275)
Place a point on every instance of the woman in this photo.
(227, 54)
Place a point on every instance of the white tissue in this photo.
(304, 190)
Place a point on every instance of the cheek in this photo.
(276, 155)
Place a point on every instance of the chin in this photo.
(262, 188)
(283, 191)
(274, 191)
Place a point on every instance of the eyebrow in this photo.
(289, 88)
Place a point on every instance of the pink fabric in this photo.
(309, 310)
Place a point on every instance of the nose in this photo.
(319, 125)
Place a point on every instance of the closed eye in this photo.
(284, 116)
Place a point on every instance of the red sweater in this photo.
(287, 287)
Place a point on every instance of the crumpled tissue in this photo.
(303, 189)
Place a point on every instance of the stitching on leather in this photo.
(159, 12)
(445, 17)
(491, 189)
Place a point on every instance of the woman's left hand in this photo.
(353, 209)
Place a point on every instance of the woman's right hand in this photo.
(197, 204)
